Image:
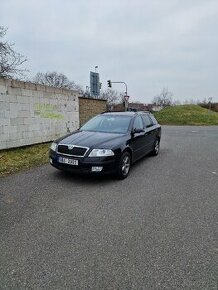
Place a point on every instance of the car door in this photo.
(149, 132)
(138, 138)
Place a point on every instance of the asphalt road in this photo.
(155, 230)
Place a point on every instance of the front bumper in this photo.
(85, 164)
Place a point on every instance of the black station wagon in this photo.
(108, 143)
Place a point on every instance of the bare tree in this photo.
(164, 99)
(112, 97)
(176, 103)
(57, 80)
(10, 60)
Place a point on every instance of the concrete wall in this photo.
(90, 107)
(32, 113)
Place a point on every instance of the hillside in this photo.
(186, 115)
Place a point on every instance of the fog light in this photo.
(97, 168)
(50, 160)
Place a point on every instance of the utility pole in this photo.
(126, 97)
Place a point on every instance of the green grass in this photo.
(186, 115)
(14, 160)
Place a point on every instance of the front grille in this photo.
(75, 151)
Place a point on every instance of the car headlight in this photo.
(53, 146)
(101, 153)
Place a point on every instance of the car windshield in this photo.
(108, 124)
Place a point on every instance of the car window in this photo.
(153, 119)
(138, 123)
(147, 120)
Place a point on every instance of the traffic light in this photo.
(109, 83)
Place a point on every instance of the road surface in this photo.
(156, 229)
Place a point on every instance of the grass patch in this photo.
(186, 115)
(14, 160)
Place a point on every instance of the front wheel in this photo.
(124, 165)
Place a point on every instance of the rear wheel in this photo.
(156, 147)
(124, 165)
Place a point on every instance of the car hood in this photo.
(92, 139)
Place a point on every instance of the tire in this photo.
(156, 148)
(124, 165)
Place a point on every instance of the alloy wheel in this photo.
(156, 147)
(125, 165)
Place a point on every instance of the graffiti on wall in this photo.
(47, 111)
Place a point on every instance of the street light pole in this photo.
(126, 98)
(121, 83)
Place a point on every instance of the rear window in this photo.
(153, 119)
(147, 120)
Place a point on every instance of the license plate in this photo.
(68, 161)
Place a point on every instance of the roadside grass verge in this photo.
(187, 115)
(14, 160)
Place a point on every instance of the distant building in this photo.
(132, 106)
(135, 106)
(140, 107)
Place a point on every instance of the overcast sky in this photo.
(150, 45)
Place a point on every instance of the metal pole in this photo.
(126, 102)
